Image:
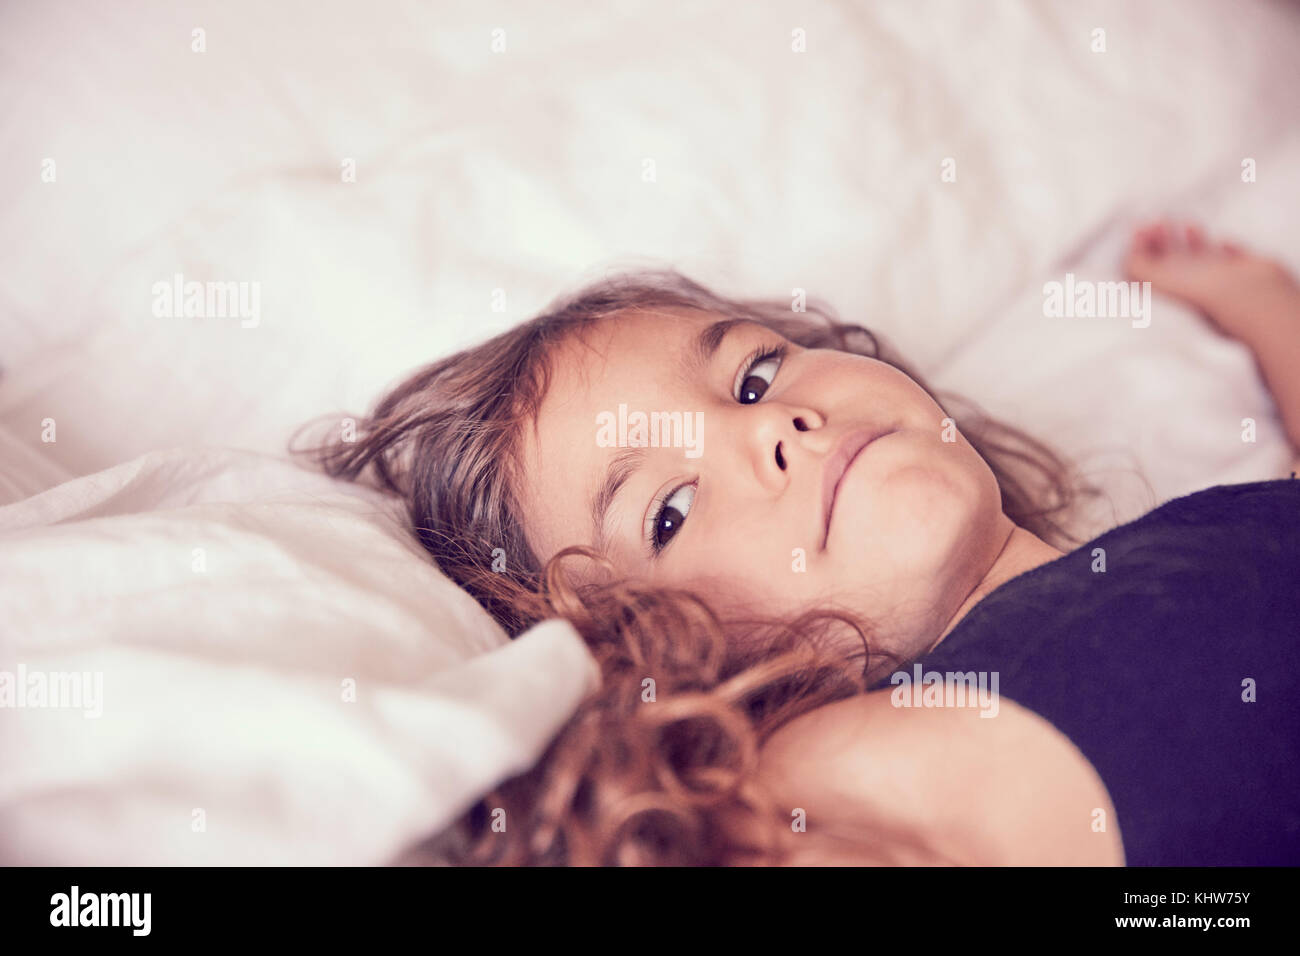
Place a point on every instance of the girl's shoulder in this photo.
(950, 786)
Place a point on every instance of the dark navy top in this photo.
(1150, 667)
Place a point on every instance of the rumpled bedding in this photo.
(273, 673)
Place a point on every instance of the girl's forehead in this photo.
(629, 357)
(627, 342)
(635, 325)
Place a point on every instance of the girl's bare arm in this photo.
(1004, 790)
(1275, 340)
(1248, 297)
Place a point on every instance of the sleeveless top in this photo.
(1174, 670)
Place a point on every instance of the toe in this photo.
(1142, 239)
(1160, 239)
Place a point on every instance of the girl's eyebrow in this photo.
(707, 342)
(621, 467)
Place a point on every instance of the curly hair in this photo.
(660, 764)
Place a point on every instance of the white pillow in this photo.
(227, 600)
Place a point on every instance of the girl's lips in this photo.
(838, 462)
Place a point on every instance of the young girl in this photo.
(757, 595)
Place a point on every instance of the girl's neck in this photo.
(1022, 552)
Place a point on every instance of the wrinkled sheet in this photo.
(275, 675)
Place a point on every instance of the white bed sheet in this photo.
(257, 693)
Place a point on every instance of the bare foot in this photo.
(1237, 290)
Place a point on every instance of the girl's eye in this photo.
(750, 385)
(669, 514)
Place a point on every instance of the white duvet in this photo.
(263, 669)
(502, 153)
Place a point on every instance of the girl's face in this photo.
(738, 509)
